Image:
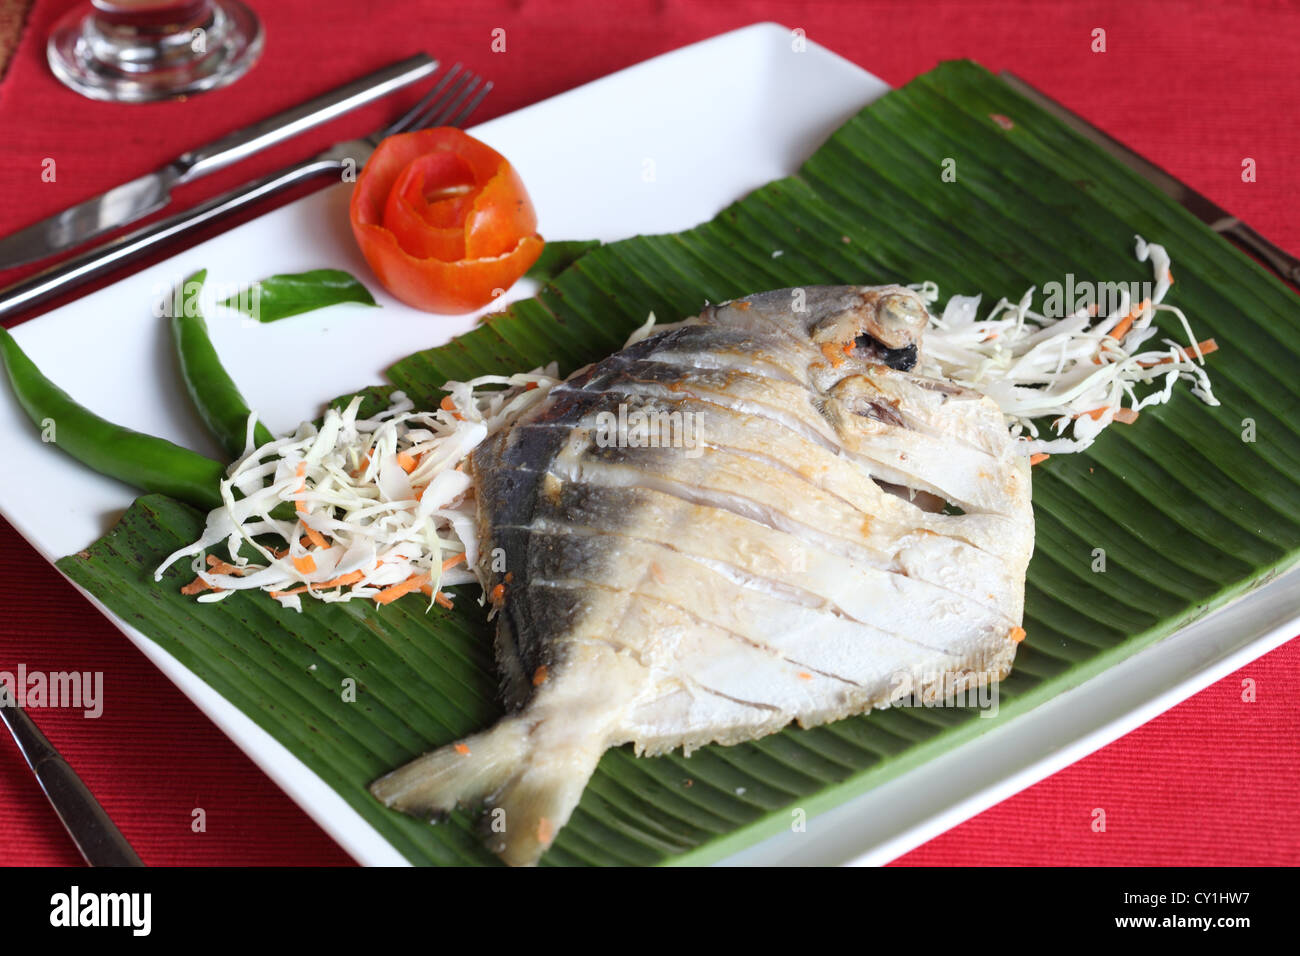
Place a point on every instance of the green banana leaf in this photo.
(1190, 512)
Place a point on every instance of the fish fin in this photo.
(461, 773)
(537, 801)
(530, 788)
(516, 688)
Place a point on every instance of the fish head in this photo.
(884, 325)
(897, 316)
(877, 325)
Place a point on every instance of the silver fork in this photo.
(449, 103)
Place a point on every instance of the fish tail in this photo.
(531, 786)
(461, 773)
(536, 802)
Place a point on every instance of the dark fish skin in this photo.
(509, 490)
(510, 470)
(789, 566)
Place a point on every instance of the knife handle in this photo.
(103, 259)
(100, 841)
(1283, 263)
(282, 126)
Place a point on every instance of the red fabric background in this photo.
(1196, 87)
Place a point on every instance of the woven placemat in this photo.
(13, 14)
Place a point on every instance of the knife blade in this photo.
(1213, 215)
(149, 193)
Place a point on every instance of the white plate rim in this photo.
(1102, 709)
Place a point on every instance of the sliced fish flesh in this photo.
(756, 516)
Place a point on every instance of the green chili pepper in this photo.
(213, 391)
(148, 463)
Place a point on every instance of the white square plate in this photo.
(658, 147)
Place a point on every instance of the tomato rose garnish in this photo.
(443, 220)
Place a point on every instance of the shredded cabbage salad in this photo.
(381, 506)
(377, 508)
(1082, 370)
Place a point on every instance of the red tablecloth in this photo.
(1197, 87)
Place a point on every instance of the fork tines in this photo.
(444, 105)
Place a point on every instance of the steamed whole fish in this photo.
(756, 516)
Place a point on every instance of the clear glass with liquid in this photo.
(143, 50)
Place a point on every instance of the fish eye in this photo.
(903, 312)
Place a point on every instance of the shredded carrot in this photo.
(539, 676)
(316, 538)
(217, 566)
(406, 462)
(833, 355)
(1039, 457)
(301, 506)
(305, 565)
(413, 583)
(447, 405)
(804, 675)
(276, 594)
(1017, 634)
(1126, 323)
(1169, 275)
(530, 386)
(990, 335)
(452, 562)
(1206, 347)
(498, 594)
(510, 576)
(361, 468)
(849, 346)
(1125, 416)
(352, 577)
(221, 567)
(1122, 328)
(545, 831)
(439, 598)
(461, 749)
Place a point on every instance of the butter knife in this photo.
(1216, 217)
(139, 197)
